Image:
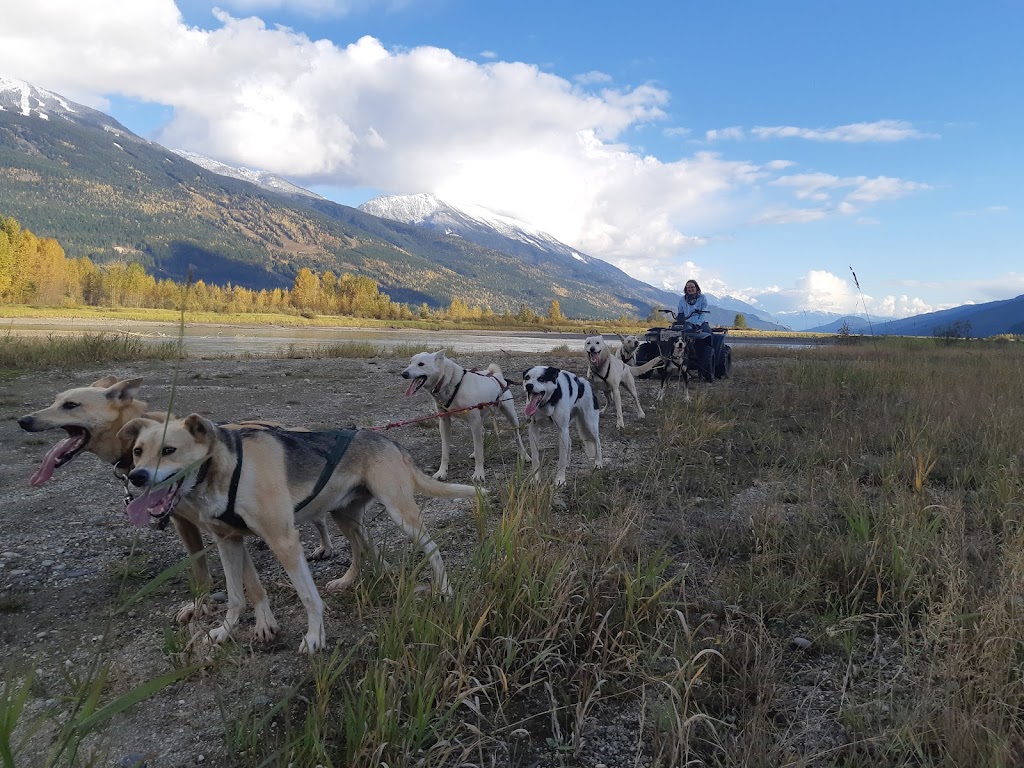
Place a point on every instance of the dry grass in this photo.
(19, 353)
(820, 564)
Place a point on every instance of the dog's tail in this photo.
(650, 365)
(495, 370)
(428, 486)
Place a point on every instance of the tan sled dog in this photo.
(264, 481)
(92, 416)
(453, 387)
(608, 373)
(630, 344)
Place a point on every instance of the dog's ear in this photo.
(130, 431)
(124, 390)
(439, 355)
(201, 428)
(621, 338)
(105, 382)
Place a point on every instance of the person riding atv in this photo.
(707, 350)
(691, 316)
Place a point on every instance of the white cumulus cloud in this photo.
(506, 135)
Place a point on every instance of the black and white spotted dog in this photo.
(562, 397)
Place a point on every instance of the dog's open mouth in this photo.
(595, 357)
(61, 454)
(414, 385)
(534, 403)
(154, 504)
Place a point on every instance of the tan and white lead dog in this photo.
(92, 416)
(264, 481)
(454, 387)
(608, 373)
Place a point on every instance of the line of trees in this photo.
(35, 270)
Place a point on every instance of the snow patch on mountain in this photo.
(31, 101)
(262, 179)
(453, 219)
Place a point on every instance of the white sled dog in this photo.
(454, 387)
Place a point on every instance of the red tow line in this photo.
(445, 414)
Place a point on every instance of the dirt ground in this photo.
(67, 551)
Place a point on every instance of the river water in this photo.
(213, 340)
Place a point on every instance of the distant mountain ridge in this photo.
(74, 174)
(989, 319)
(537, 248)
(976, 320)
(262, 179)
(504, 234)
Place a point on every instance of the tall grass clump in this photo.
(20, 353)
(541, 632)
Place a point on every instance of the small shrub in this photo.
(954, 332)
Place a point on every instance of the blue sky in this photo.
(761, 147)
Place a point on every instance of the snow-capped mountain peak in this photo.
(30, 101)
(462, 219)
(29, 98)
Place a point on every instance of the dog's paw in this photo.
(478, 477)
(220, 635)
(322, 553)
(340, 585)
(441, 474)
(313, 642)
(193, 610)
(266, 626)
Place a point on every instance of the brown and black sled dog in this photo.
(263, 481)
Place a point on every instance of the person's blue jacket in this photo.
(695, 314)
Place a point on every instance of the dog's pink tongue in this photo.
(595, 358)
(531, 407)
(138, 509)
(65, 446)
(411, 389)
